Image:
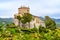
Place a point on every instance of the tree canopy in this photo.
(50, 23)
(27, 17)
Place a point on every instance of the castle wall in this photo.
(16, 22)
(36, 20)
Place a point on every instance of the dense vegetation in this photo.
(12, 32)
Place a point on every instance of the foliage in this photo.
(19, 19)
(50, 23)
(33, 30)
(11, 25)
(42, 29)
(15, 33)
(27, 17)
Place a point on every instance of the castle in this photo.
(36, 21)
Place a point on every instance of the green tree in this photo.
(27, 17)
(12, 25)
(42, 29)
(50, 23)
(19, 18)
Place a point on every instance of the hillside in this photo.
(6, 20)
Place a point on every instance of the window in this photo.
(27, 10)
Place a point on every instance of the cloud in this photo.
(46, 7)
(37, 7)
(7, 9)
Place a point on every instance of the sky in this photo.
(37, 7)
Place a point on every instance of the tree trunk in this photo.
(23, 25)
(19, 24)
(29, 25)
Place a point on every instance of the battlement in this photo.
(23, 9)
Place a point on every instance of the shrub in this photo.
(42, 29)
(50, 24)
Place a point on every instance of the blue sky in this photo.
(37, 7)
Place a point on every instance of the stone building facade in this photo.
(36, 21)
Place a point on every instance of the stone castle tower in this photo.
(23, 10)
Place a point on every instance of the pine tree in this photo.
(50, 23)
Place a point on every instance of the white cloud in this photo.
(46, 7)
(38, 7)
(8, 8)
